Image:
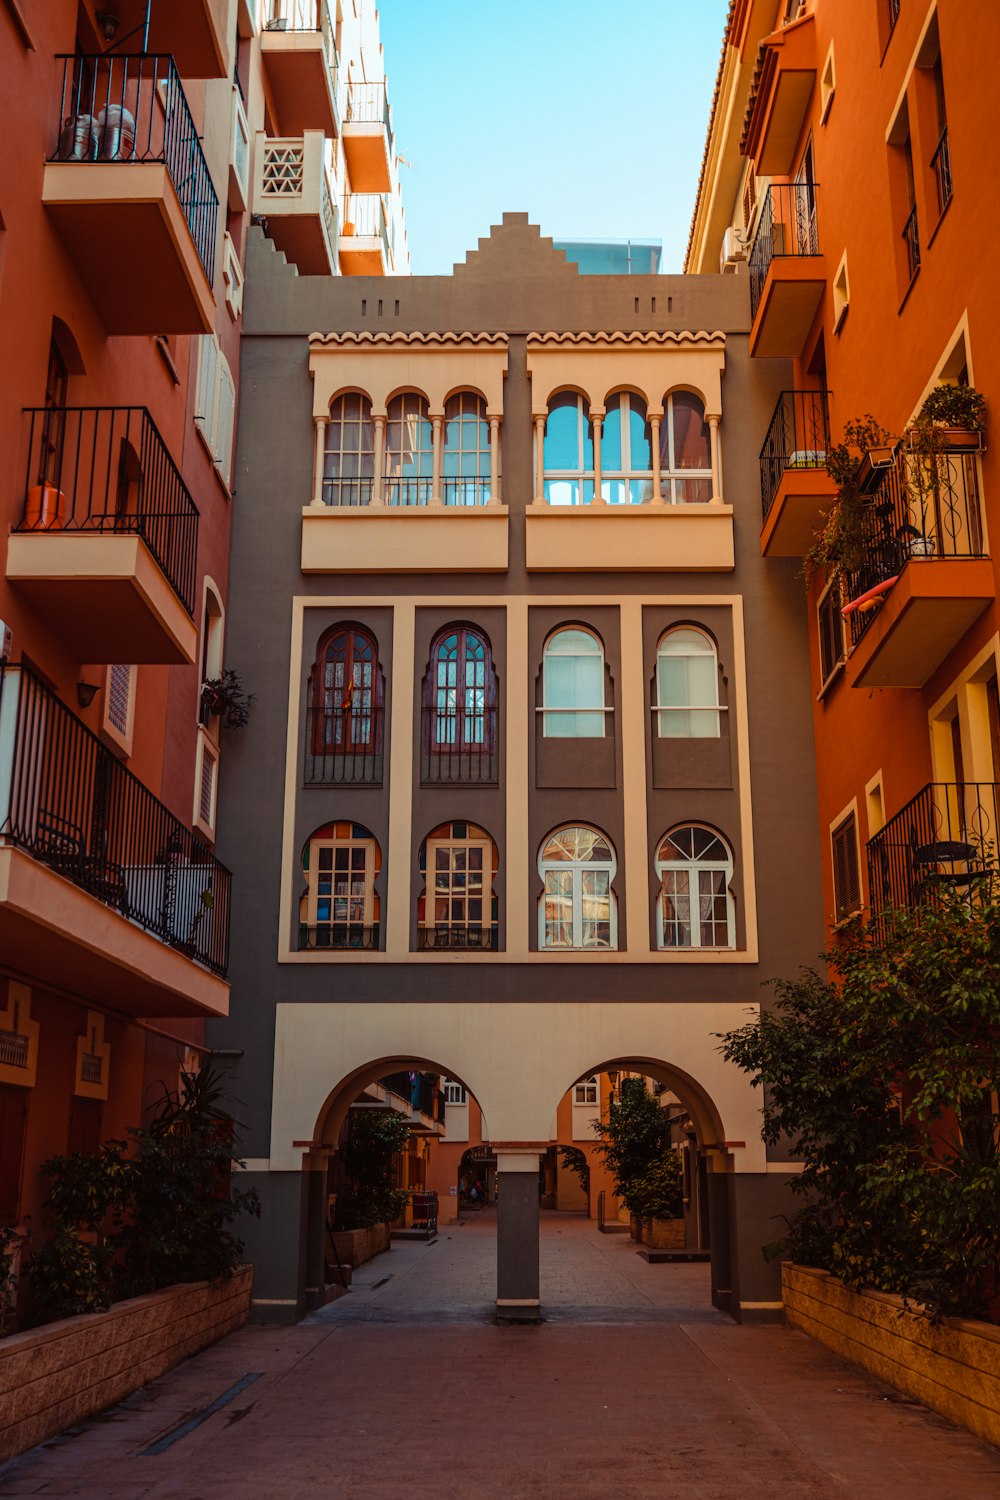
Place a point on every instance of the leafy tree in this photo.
(374, 1138)
(839, 543)
(635, 1136)
(575, 1161)
(659, 1193)
(885, 1077)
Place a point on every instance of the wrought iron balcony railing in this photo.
(67, 801)
(420, 1092)
(798, 438)
(368, 104)
(927, 509)
(459, 745)
(106, 469)
(944, 841)
(911, 238)
(470, 937)
(337, 935)
(787, 226)
(408, 491)
(344, 745)
(115, 107)
(941, 163)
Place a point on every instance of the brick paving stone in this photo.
(633, 1386)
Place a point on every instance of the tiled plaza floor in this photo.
(405, 1391)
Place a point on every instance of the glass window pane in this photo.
(640, 442)
(691, 441)
(611, 438)
(562, 433)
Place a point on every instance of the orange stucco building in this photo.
(845, 178)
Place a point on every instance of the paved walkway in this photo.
(404, 1391)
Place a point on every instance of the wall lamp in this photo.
(85, 693)
(108, 22)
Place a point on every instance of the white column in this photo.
(655, 419)
(494, 460)
(597, 421)
(378, 485)
(713, 437)
(437, 463)
(317, 496)
(397, 886)
(540, 458)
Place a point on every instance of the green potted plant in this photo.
(225, 697)
(953, 417)
(635, 1135)
(659, 1201)
(839, 544)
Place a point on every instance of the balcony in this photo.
(298, 52)
(344, 745)
(458, 747)
(795, 488)
(198, 33)
(943, 843)
(402, 528)
(107, 543)
(779, 98)
(650, 537)
(365, 246)
(103, 891)
(787, 272)
(292, 194)
(128, 190)
(422, 1096)
(924, 578)
(368, 143)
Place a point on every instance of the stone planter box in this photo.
(354, 1246)
(952, 1367)
(663, 1234)
(54, 1376)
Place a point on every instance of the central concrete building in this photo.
(528, 790)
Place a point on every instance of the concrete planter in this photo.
(355, 1246)
(54, 1376)
(663, 1234)
(952, 1367)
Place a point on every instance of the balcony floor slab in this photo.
(790, 300)
(924, 617)
(796, 511)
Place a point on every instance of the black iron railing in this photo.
(364, 215)
(787, 226)
(124, 108)
(798, 438)
(911, 239)
(945, 841)
(474, 491)
(459, 746)
(893, 13)
(344, 746)
(66, 800)
(337, 935)
(403, 491)
(347, 490)
(470, 937)
(368, 104)
(941, 162)
(420, 1091)
(106, 469)
(926, 509)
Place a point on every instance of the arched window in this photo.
(577, 907)
(687, 686)
(573, 686)
(346, 704)
(460, 708)
(694, 866)
(568, 453)
(457, 907)
(626, 452)
(339, 908)
(685, 451)
(409, 451)
(467, 476)
(586, 1091)
(349, 459)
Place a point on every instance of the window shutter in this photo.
(119, 698)
(205, 398)
(831, 637)
(846, 872)
(206, 788)
(224, 420)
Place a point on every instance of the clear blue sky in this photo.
(588, 114)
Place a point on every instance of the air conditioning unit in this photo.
(733, 250)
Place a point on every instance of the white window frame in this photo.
(626, 475)
(670, 475)
(232, 277)
(432, 846)
(368, 895)
(579, 475)
(694, 868)
(546, 708)
(215, 405)
(205, 750)
(587, 1091)
(576, 867)
(454, 1093)
(838, 665)
(660, 708)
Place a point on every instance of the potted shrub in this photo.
(953, 417)
(634, 1137)
(838, 546)
(370, 1200)
(659, 1200)
(225, 697)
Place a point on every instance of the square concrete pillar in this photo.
(517, 1238)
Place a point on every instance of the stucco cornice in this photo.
(358, 341)
(666, 339)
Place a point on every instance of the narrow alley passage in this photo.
(404, 1388)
